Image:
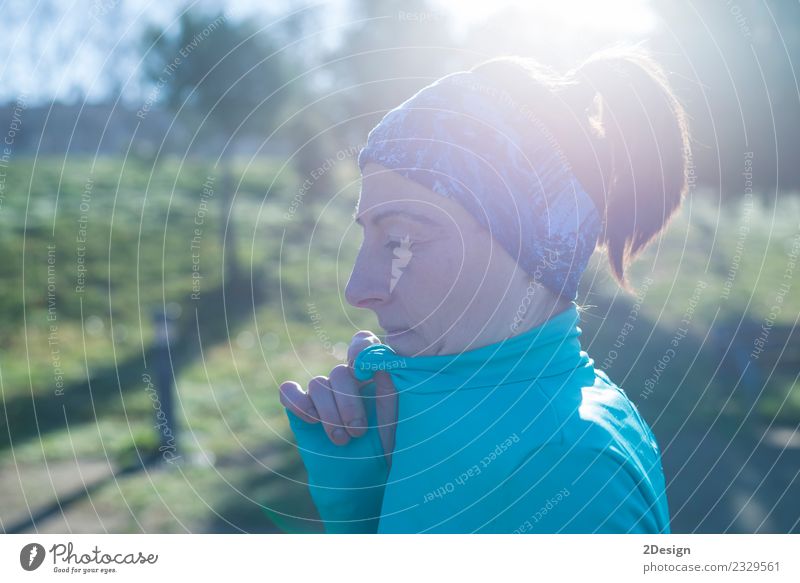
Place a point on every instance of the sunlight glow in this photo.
(609, 16)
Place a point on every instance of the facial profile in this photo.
(437, 280)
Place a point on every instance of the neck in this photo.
(528, 307)
(549, 349)
(537, 306)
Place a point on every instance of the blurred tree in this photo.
(231, 80)
(390, 50)
(733, 64)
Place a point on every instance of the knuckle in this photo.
(359, 344)
(288, 392)
(317, 385)
(340, 371)
(368, 338)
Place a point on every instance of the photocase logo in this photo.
(402, 255)
(31, 556)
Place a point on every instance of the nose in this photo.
(368, 284)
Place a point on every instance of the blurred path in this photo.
(717, 489)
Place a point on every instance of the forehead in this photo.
(383, 190)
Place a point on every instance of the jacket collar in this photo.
(550, 349)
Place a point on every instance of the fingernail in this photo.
(339, 434)
(359, 423)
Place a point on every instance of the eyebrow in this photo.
(383, 215)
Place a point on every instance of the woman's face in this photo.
(437, 282)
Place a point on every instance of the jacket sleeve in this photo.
(579, 491)
(346, 482)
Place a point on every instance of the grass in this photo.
(228, 409)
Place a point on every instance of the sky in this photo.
(75, 49)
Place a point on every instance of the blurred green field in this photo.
(140, 223)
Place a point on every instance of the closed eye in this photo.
(399, 243)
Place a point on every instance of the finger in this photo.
(359, 342)
(386, 410)
(346, 393)
(322, 396)
(294, 399)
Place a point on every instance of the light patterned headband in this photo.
(466, 139)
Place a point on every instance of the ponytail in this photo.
(623, 132)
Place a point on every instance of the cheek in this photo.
(435, 273)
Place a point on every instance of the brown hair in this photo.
(622, 131)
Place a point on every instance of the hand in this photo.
(335, 401)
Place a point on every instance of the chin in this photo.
(402, 344)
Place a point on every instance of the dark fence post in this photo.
(165, 336)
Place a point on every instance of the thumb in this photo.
(386, 411)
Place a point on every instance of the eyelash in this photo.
(393, 244)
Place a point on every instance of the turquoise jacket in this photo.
(520, 436)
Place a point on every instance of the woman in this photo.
(483, 196)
